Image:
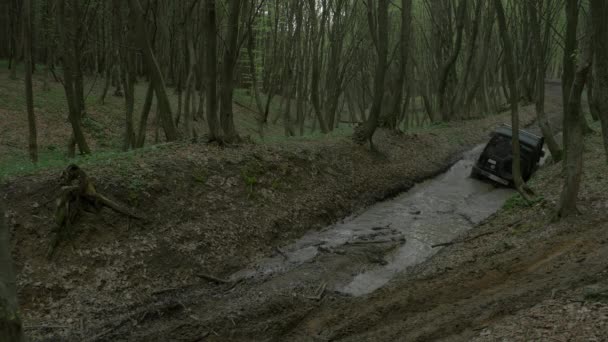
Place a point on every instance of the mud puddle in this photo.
(404, 228)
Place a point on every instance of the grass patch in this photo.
(56, 160)
(518, 202)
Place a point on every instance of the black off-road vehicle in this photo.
(495, 162)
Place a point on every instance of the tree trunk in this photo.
(599, 13)
(128, 81)
(69, 60)
(380, 36)
(540, 54)
(143, 122)
(316, 65)
(574, 146)
(228, 64)
(444, 102)
(29, 95)
(211, 69)
(518, 181)
(406, 18)
(190, 83)
(155, 72)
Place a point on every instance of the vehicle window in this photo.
(499, 146)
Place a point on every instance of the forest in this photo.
(257, 121)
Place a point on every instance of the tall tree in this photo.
(29, 94)
(573, 128)
(228, 64)
(317, 32)
(540, 46)
(404, 46)
(66, 23)
(444, 102)
(518, 181)
(211, 68)
(154, 69)
(599, 13)
(379, 28)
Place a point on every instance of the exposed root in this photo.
(77, 193)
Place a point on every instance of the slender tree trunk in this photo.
(29, 95)
(143, 123)
(406, 18)
(539, 51)
(228, 65)
(574, 146)
(599, 13)
(69, 60)
(211, 69)
(593, 109)
(380, 35)
(518, 181)
(444, 102)
(316, 68)
(155, 72)
(252, 69)
(190, 83)
(15, 41)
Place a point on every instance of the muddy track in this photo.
(305, 290)
(312, 288)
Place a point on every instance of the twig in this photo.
(318, 293)
(280, 251)
(463, 241)
(354, 243)
(44, 326)
(214, 279)
(157, 292)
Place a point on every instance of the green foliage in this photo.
(135, 186)
(518, 202)
(55, 159)
(251, 173)
(200, 176)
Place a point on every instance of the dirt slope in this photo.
(210, 210)
(520, 277)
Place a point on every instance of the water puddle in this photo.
(432, 212)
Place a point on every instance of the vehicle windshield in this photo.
(499, 147)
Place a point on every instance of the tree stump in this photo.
(77, 193)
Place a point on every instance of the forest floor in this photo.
(215, 211)
(104, 123)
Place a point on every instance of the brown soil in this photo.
(530, 278)
(520, 276)
(210, 210)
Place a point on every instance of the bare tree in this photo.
(65, 23)
(540, 46)
(573, 128)
(599, 13)
(518, 181)
(29, 95)
(155, 72)
(379, 31)
(444, 104)
(211, 68)
(229, 62)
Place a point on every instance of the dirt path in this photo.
(118, 281)
(304, 291)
